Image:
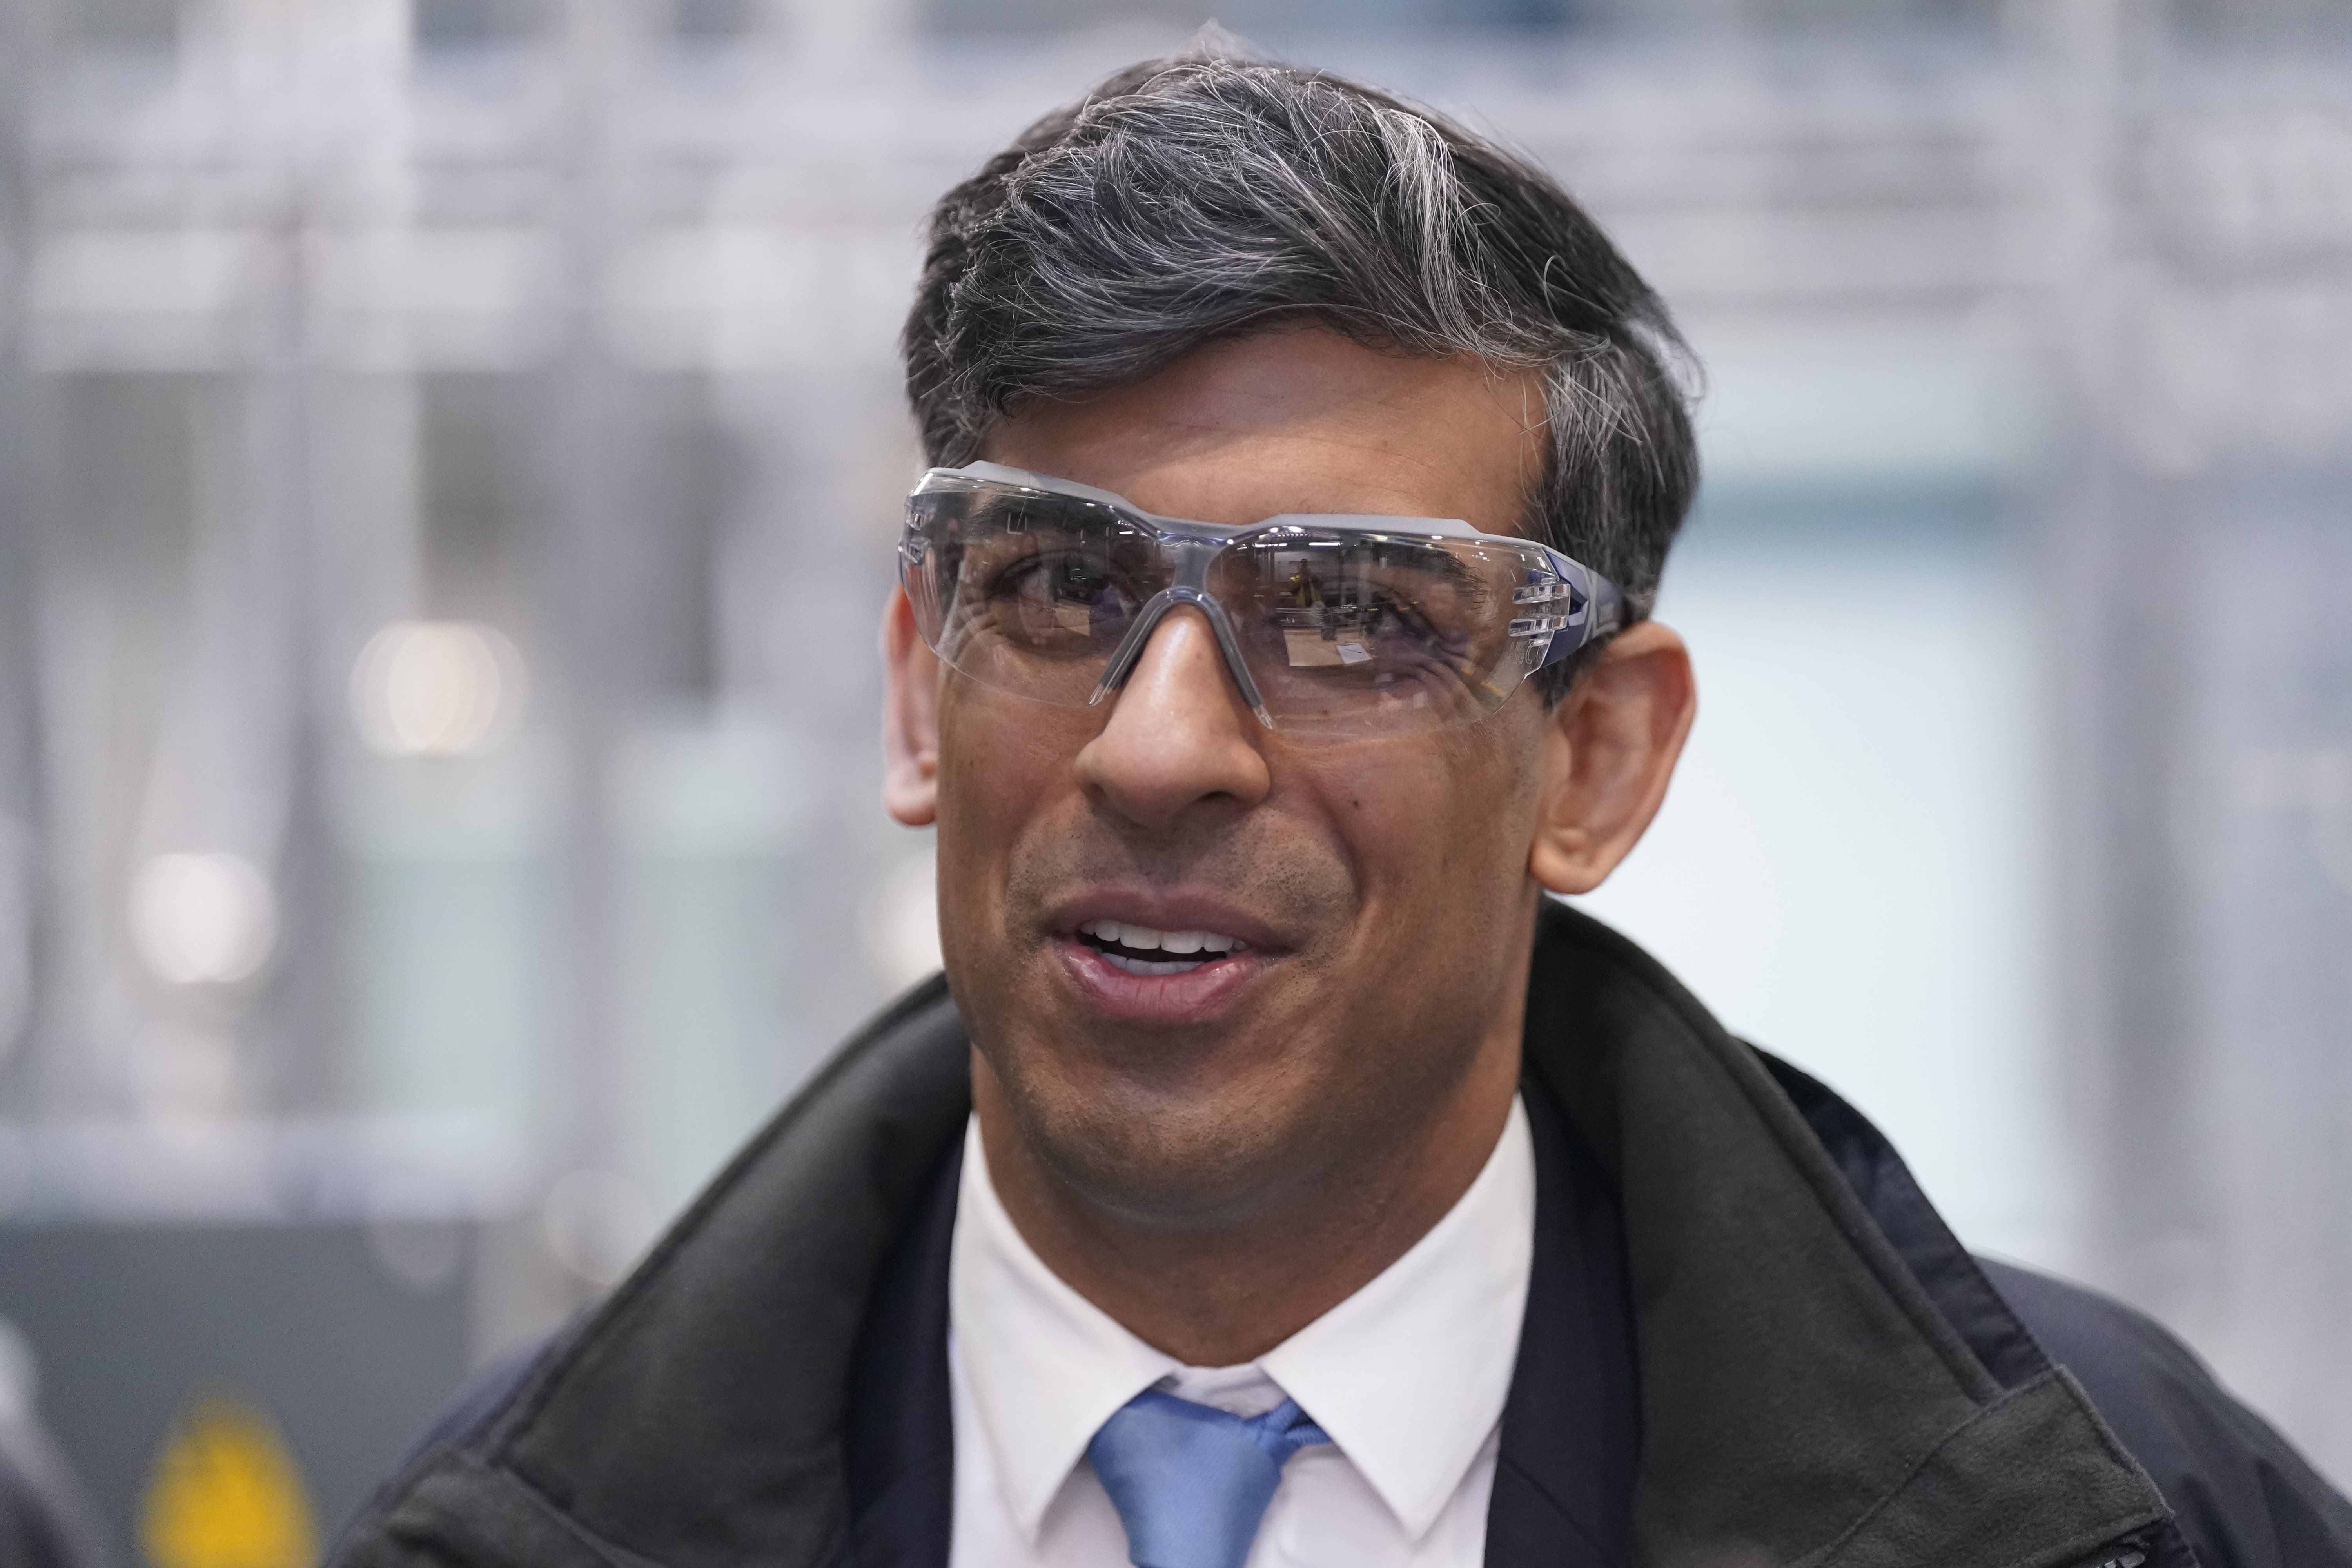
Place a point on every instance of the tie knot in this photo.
(1191, 1482)
(1281, 1431)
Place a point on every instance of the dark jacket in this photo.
(1818, 1372)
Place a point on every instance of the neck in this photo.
(1220, 1292)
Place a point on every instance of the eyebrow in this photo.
(1013, 509)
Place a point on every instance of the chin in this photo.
(1169, 1158)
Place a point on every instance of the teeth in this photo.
(1143, 939)
(1145, 966)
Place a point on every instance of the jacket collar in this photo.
(1802, 1398)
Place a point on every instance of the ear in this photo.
(910, 717)
(1608, 752)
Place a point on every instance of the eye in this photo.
(1367, 613)
(1059, 600)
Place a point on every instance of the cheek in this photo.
(1444, 827)
(1002, 766)
(991, 761)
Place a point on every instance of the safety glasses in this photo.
(1332, 626)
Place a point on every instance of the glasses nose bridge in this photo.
(1190, 557)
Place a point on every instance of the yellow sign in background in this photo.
(227, 1494)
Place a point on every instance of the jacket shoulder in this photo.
(694, 1417)
(2240, 1493)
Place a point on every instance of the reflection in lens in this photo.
(1031, 593)
(1373, 632)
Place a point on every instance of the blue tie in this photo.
(1192, 1482)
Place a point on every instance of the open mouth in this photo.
(1139, 949)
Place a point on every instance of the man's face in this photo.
(1374, 893)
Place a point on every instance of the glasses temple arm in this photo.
(1602, 613)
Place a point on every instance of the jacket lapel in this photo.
(1572, 1424)
(899, 1432)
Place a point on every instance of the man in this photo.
(1277, 1176)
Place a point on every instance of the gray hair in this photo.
(1193, 199)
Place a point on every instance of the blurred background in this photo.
(449, 460)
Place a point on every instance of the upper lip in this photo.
(1164, 912)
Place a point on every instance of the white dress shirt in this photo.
(1408, 1376)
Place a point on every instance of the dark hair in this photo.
(1191, 199)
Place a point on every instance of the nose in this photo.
(1178, 732)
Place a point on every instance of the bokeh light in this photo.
(202, 918)
(435, 689)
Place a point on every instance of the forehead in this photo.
(1298, 420)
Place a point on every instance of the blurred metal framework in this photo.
(302, 208)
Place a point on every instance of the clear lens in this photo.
(1344, 632)
(1356, 630)
(1029, 594)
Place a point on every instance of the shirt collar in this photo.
(1408, 1376)
(1047, 1367)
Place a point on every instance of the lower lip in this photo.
(1193, 997)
